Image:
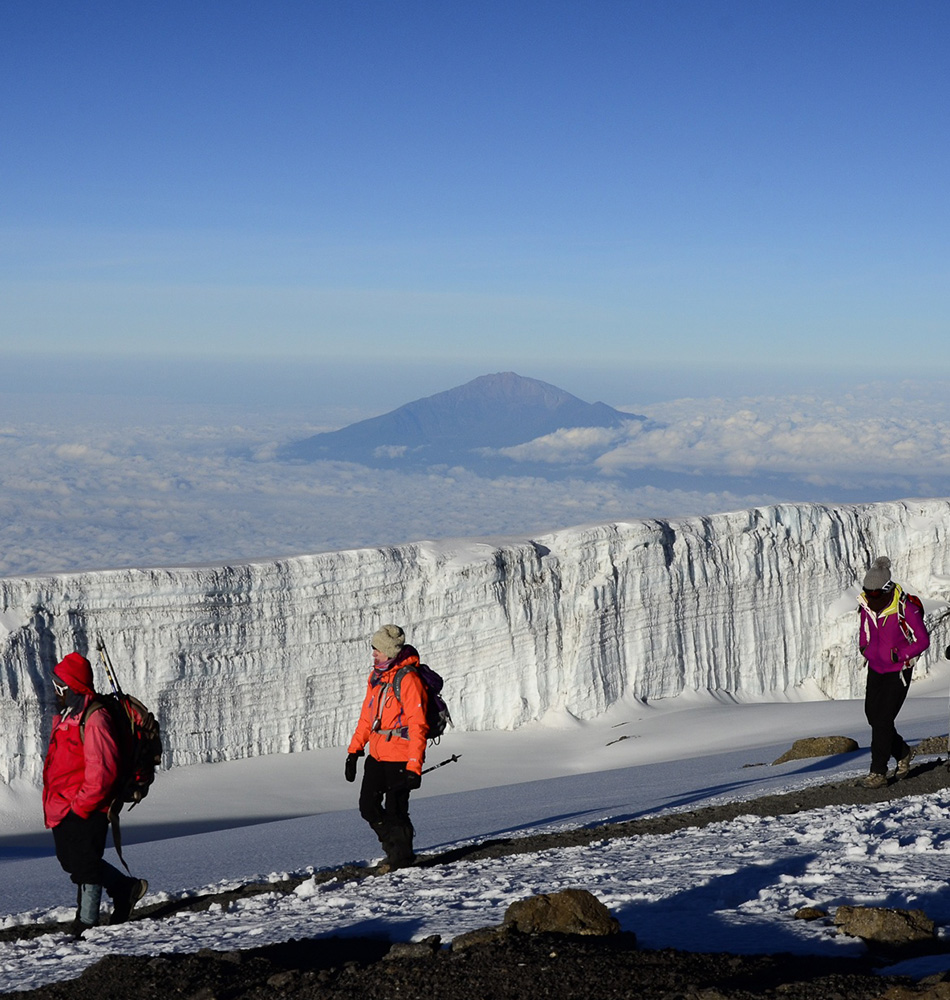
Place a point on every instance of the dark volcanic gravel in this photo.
(546, 966)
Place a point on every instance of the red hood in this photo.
(75, 671)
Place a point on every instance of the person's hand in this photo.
(413, 780)
(349, 768)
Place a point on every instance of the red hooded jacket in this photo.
(79, 774)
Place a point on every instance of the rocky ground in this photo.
(516, 965)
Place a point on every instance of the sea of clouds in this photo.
(94, 477)
(859, 440)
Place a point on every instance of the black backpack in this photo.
(437, 712)
(140, 744)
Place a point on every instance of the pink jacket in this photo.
(883, 641)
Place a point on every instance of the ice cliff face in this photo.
(272, 657)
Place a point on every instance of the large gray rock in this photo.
(571, 911)
(818, 746)
(932, 746)
(414, 949)
(481, 937)
(884, 926)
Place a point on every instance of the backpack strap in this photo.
(114, 809)
(93, 706)
(397, 681)
(396, 684)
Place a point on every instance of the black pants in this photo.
(883, 698)
(80, 845)
(384, 804)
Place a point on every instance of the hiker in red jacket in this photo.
(396, 732)
(81, 770)
(892, 635)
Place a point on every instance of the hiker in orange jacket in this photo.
(396, 731)
(79, 776)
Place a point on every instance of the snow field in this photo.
(726, 887)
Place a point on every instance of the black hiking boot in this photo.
(400, 853)
(124, 901)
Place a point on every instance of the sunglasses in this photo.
(60, 687)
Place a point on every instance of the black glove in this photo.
(349, 768)
(413, 780)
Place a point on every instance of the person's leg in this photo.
(80, 844)
(900, 751)
(400, 827)
(372, 791)
(877, 712)
(90, 896)
(884, 696)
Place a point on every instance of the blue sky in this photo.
(754, 185)
(229, 225)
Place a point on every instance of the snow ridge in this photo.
(271, 657)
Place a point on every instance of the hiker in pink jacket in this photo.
(892, 635)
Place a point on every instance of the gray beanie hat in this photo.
(879, 575)
(389, 640)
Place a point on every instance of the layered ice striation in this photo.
(272, 657)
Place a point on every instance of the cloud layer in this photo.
(90, 487)
(862, 439)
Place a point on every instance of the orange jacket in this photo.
(395, 730)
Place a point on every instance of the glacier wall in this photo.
(272, 657)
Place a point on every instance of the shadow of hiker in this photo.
(706, 917)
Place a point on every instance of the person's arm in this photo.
(413, 697)
(363, 727)
(101, 755)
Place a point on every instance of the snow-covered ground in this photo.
(732, 886)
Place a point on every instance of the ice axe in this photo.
(448, 760)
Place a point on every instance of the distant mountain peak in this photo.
(492, 411)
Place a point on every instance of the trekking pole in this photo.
(448, 760)
(107, 663)
(114, 680)
(115, 807)
(946, 653)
